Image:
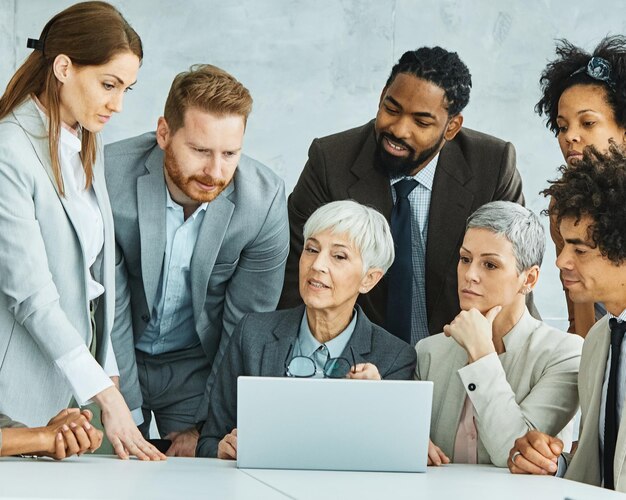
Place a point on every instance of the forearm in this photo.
(18, 441)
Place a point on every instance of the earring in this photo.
(525, 290)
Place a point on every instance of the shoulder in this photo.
(131, 148)
(469, 139)
(260, 325)
(435, 345)
(255, 175)
(548, 346)
(354, 137)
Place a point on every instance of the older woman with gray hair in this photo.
(497, 371)
(348, 248)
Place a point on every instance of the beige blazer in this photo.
(584, 465)
(43, 280)
(530, 386)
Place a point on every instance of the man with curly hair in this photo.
(588, 203)
(417, 147)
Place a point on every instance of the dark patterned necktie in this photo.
(400, 279)
(611, 423)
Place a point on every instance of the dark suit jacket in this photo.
(259, 347)
(473, 169)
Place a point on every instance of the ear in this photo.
(454, 126)
(162, 133)
(532, 276)
(62, 67)
(371, 278)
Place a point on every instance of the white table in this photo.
(99, 477)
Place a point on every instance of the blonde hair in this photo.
(90, 34)
(209, 89)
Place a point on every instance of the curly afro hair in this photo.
(444, 69)
(561, 74)
(595, 187)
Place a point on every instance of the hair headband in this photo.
(599, 69)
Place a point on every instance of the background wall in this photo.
(317, 67)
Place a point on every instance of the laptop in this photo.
(330, 424)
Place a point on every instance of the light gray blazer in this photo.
(43, 284)
(237, 264)
(584, 466)
(260, 346)
(530, 386)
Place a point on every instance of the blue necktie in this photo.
(610, 413)
(400, 278)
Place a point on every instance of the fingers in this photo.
(59, 447)
(118, 447)
(492, 313)
(227, 447)
(71, 443)
(364, 371)
(534, 453)
(436, 456)
(87, 414)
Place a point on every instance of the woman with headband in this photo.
(584, 101)
(57, 249)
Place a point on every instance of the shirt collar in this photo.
(425, 177)
(621, 317)
(309, 344)
(68, 136)
(170, 203)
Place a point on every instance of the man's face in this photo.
(202, 155)
(412, 125)
(586, 273)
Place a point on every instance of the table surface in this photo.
(97, 476)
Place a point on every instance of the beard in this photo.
(396, 166)
(187, 184)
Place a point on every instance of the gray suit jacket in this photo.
(530, 386)
(473, 169)
(259, 347)
(237, 264)
(584, 465)
(43, 278)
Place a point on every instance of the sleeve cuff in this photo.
(110, 363)
(137, 415)
(83, 373)
(561, 467)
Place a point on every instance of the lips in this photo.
(317, 284)
(394, 148)
(104, 118)
(206, 187)
(467, 291)
(573, 155)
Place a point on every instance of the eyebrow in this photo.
(581, 112)
(577, 241)
(341, 245)
(420, 114)
(121, 82)
(487, 254)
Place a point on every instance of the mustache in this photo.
(397, 140)
(209, 180)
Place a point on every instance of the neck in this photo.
(615, 308)
(505, 321)
(326, 325)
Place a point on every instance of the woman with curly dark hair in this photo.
(584, 101)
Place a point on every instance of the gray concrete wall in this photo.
(317, 67)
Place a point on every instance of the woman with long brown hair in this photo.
(57, 248)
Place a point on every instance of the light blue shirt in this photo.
(307, 345)
(172, 324)
(419, 199)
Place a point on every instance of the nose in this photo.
(572, 135)
(115, 104)
(400, 127)
(471, 273)
(212, 167)
(563, 260)
(320, 263)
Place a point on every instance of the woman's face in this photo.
(586, 119)
(89, 95)
(331, 273)
(487, 272)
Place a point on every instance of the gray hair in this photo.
(518, 225)
(366, 227)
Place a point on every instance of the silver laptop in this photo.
(329, 424)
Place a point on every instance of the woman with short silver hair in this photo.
(348, 248)
(497, 371)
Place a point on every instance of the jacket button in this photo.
(472, 387)
(145, 317)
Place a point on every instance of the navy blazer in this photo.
(259, 347)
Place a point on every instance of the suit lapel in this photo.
(151, 213)
(32, 122)
(367, 188)
(285, 333)
(210, 238)
(360, 340)
(450, 205)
